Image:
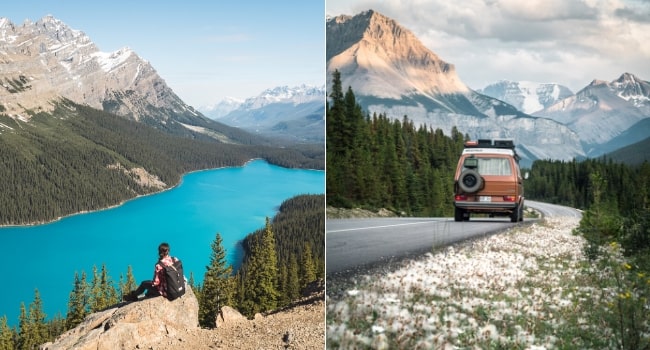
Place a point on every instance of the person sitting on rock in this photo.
(157, 286)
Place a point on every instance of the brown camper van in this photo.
(488, 181)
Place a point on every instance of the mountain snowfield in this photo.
(528, 97)
(223, 107)
(391, 72)
(296, 113)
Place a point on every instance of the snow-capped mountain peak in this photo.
(285, 94)
(630, 88)
(528, 97)
(286, 112)
(222, 108)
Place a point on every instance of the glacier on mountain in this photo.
(528, 97)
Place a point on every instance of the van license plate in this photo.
(485, 199)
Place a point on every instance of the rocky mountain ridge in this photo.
(393, 73)
(46, 62)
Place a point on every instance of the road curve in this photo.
(553, 210)
(355, 243)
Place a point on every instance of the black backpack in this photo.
(175, 279)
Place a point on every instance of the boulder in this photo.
(229, 316)
(140, 324)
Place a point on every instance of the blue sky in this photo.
(204, 50)
(570, 42)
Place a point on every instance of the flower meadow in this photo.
(528, 288)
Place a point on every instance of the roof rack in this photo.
(485, 143)
(492, 144)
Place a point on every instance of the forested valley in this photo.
(74, 159)
(280, 261)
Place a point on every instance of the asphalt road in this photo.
(355, 243)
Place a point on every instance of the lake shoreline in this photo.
(180, 182)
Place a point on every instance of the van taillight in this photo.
(460, 197)
(509, 198)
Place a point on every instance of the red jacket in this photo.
(159, 280)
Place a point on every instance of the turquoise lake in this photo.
(231, 201)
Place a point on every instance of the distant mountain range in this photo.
(606, 115)
(528, 97)
(392, 72)
(293, 113)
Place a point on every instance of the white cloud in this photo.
(567, 41)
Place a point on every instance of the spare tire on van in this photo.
(470, 181)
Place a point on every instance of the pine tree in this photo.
(335, 149)
(282, 286)
(102, 291)
(293, 280)
(127, 284)
(260, 291)
(37, 319)
(6, 335)
(25, 338)
(308, 267)
(191, 282)
(108, 288)
(95, 296)
(55, 326)
(78, 302)
(218, 285)
(33, 329)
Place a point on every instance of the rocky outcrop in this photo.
(135, 325)
(46, 62)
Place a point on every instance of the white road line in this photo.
(384, 226)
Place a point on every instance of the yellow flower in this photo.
(613, 244)
(627, 266)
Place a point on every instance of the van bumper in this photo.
(487, 207)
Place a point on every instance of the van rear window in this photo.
(494, 166)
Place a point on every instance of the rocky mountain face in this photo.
(528, 97)
(46, 61)
(606, 115)
(294, 113)
(392, 72)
